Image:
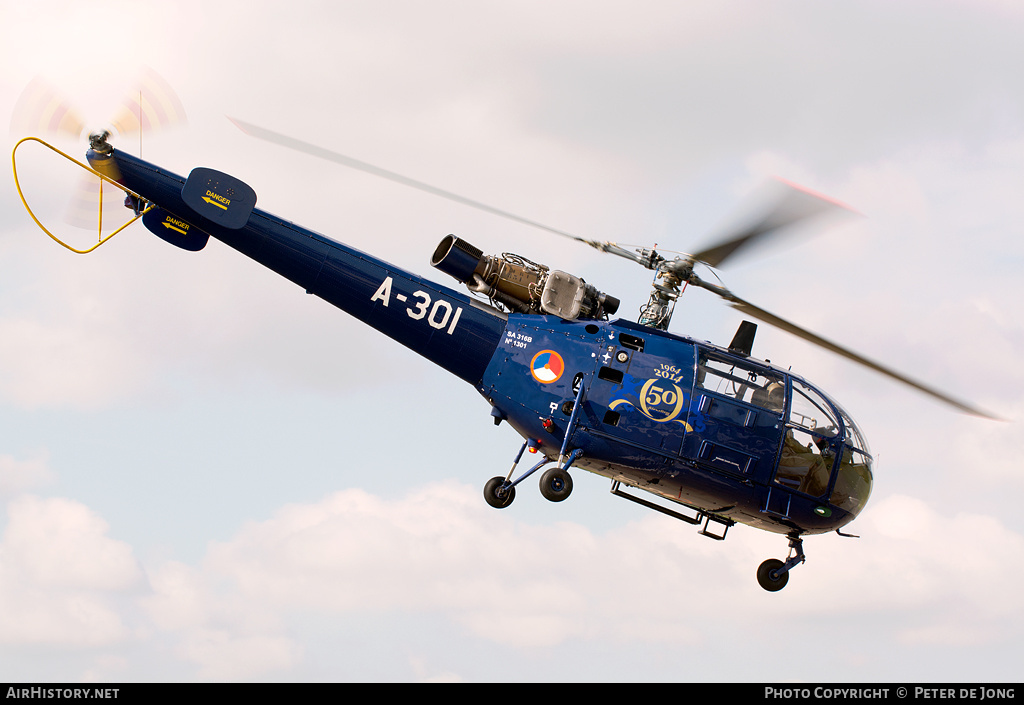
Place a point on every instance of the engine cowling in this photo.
(521, 285)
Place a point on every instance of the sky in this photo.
(207, 475)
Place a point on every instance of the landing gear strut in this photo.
(500, 491)
(555, 483)
(773, 574)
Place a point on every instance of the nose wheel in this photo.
(773, 574)
(769, 576)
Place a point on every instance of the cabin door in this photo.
(737, 417)
(641, 392)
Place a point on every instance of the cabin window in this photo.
(759, 387)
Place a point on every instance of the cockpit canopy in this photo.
(824, 452)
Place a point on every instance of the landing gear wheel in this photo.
(555, 484)
(768, 576)
(495, 496)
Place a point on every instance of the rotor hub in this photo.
(98, 142)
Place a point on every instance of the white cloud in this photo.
(425, 675)
(59, 542)
(61, 576)
(438, 550)
(955, 572)
(223, 656)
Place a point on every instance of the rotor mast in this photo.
(657, 312)
(670, 280)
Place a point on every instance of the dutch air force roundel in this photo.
(547, 366)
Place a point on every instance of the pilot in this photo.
(822, 443)
(776, 397)
(816, 481)
(795, 461)
(803, 467)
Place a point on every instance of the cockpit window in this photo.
(853, 435)
(759, 387)
(811, 411)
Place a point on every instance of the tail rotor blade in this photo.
(152, 104)
(40, 110)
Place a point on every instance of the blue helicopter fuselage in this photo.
(698, 425)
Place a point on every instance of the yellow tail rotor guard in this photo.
(102, 177)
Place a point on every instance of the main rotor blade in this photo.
(321, 153)
(759, 313)
(794, 205)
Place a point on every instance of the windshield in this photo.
(854, 475)
(853, 481)
(852, 433)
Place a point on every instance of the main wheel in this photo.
(497, 497)
(555, 484)
(768, 576)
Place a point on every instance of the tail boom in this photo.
(441, 324)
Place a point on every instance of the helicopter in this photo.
(711, 435)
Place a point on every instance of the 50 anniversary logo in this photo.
(659, 400)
